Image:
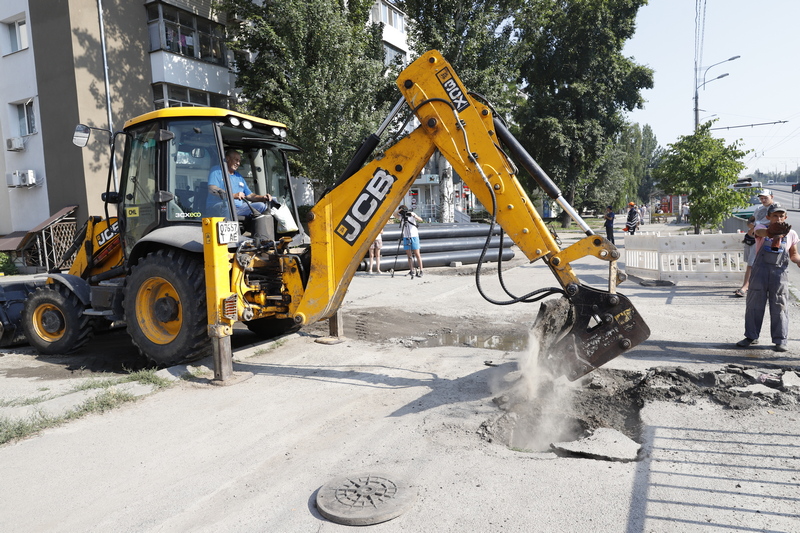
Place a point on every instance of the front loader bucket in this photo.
(12, 301)
(580, 333)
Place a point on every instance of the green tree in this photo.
(577, 84)
(475, 37)
(651, 154)
(703, 167)
(317, 66)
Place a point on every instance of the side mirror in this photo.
(81, 136)
(112, 197)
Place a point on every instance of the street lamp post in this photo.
(697, 89)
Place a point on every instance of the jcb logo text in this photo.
(107, 234)
(365, 206)
(453, 90)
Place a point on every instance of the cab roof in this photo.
(198, 112)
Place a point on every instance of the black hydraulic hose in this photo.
(113, 273)
(360, 157)
(533, 296)
(525, 160)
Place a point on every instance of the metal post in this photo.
(336, 324)
(218, 293)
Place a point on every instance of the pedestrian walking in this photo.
(633, 219)
(776, 246)
(375, 253)
(685, 213)
(609, 223)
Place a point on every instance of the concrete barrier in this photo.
(713, 257)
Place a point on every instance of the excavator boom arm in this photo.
(349, 217)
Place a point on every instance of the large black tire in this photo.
(54, 322)
(269, 328)
(165, 307)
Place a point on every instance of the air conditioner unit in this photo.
(21, 178)
(28, 178)
(15, 144)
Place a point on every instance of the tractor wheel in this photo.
(54, 322)
(165, 307)
(268, 328)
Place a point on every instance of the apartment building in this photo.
(100, 62)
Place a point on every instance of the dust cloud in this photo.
(535, 405)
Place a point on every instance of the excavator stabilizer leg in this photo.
(582, 332)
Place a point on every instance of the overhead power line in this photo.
(749, 125)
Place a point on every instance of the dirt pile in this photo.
(532, 417)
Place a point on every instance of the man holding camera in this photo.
(776, 247)
(410, 234)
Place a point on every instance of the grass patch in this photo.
(21, 402)
(273, 346)
(105, 400)
(196, 372)
(146, 377)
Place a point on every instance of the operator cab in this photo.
(170, 154)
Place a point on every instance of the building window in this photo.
(186, 34)
(393, 54)
(392, 17)
(17, 35)
(168, 95)
(26, 117)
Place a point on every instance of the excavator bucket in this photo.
(582, 332)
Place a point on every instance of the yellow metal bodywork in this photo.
(101, 249)
(218, 279)
(178, 112)
(461, 128)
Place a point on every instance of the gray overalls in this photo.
(769, 282)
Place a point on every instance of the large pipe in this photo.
(447, 245)
(438, 259)
(434, 231)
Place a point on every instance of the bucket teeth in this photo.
(585, 331)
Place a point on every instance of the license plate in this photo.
(227, 232)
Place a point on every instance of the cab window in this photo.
(193, 156)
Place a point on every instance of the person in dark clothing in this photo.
(633, 218)
(609, 223)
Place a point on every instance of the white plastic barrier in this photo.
(713, 257)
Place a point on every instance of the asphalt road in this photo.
(252, 456)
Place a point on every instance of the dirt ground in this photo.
(437, 388)
(607, 398)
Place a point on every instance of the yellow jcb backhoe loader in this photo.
(273, 281)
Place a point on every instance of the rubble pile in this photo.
(612, 399)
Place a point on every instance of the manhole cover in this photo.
(364, 499)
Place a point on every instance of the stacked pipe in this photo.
(441, 245)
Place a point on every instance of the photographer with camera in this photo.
(410, 234)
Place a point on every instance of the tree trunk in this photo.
(446, 191)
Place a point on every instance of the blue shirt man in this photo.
(239, 188)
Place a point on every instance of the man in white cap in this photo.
(776, 246)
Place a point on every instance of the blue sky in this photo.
(763, 85)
